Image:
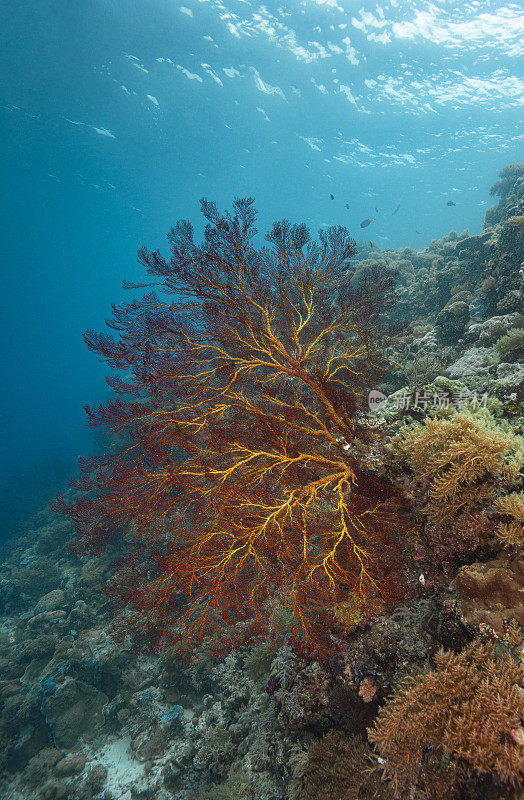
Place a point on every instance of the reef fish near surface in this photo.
(450, 203)
(367, 222)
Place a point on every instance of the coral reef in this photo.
(82, 716)
(88, 712)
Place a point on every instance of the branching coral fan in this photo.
(471, 705)
(244, 396)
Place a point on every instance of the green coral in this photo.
(257, 661)
(237, 786)
(488, 361)
(511, 342)
(440, 396)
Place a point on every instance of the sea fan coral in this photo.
(242, 416)
(471, 706)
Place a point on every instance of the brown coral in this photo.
(368, 690)
(491, 593)
(510, 531)
(471, 706)
(337, 768)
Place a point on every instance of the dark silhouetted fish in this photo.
(395, 211)
(332, 196)
(450, 203)
(376, 209)
(367, 222)
(347, 205)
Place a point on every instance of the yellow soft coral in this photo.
(461, 460)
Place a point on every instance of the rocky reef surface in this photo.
(461, 299)
(87, 715)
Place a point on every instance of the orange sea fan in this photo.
(243, 420)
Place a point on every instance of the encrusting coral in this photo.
(470, 707)
(491, 593)
(243, 419)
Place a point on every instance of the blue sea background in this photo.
(117, 116)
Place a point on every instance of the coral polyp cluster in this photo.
(245, 394)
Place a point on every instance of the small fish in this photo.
(418, 233)
(376, 210)
(367, 222)
(347, 205)
(332, 196)
(395, 211)
(450, 203)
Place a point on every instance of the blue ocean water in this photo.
(117, 116)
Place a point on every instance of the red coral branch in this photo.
(243, 419)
